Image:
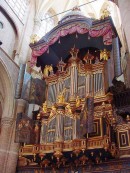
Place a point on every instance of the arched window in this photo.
(19, 7)
(47, 24)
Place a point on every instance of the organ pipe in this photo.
(74, 79)
(117, 60)
(59, 124)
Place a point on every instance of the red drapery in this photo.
(104, 30)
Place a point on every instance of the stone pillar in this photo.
(125, 16)
(23, 51)
(9, 149)
(6, 132)
(37, 24)
(20, 81)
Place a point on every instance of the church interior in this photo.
(64, 86)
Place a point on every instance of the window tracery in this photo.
(19, 7)
(47, 24)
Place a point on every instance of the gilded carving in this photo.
(34, 38)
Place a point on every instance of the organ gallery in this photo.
(80, 118)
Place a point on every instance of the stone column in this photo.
(20, 81)
(37, 24)
(6, 133)
(8, 148)
(124, 7)
(23, 52)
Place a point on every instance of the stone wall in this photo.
(8, 79)
(7, 35)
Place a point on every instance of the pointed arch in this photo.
(7, 92)
(10, 20)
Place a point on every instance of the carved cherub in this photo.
(105, 13)
(61, 98)
(68, 109)
(34, 38)
(78, 101)
(46, 71)
(50, 69)
(104, 54)
(44, 107)
(53, 110)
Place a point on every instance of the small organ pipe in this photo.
(99, 83)
(92, 85)
(59, 123)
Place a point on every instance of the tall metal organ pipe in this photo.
(116, 56)
(59, 124)
(74, 79)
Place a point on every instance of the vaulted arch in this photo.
(10, 20)
(9, 31)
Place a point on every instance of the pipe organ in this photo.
(76, 126)
(76, 117)
(78, 80)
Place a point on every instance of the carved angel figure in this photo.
(68, 109)
(44, 107)
(104, 54)
(53, 111)
(105, 13)
(78, 101)
(61, 98)
(46, 71)
(50, 69)
(34, 38)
